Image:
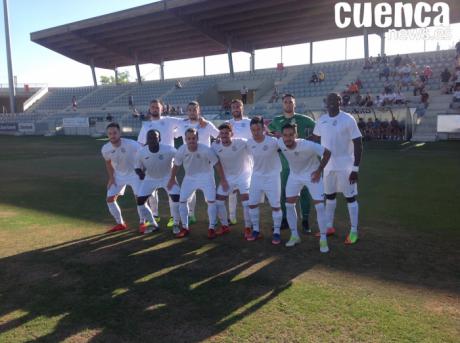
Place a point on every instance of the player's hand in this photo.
(224, 185)
(203, 122)
(353, 177)
(140, 173)
(170, 184)
(316, 175)
(110, 183)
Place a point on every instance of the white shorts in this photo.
(206, 184)
(148, 186)
(240, 183)
(295, 184)
(337, 181)
(268, 185)
(121, 183)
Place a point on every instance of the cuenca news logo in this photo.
(409, 21)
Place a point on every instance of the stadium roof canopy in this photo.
(177, 29)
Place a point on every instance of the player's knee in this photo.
(141, 200)
(174, 197)
(331, 196)
(351, 199)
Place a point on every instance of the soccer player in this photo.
(119, 155)
(338, 132)
(198, 161)
(240, 129)
(153, 166)
(305, 126)
(167, 126)
(237, 165)
(305, 170)
(205, 130)
(265, 179)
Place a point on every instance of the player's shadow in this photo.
(127, 287)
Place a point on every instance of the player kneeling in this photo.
(237, 165)
(305, 170)
(153, 166)
(198, 161)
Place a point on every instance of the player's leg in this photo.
(112, 195)
(284, 177)
(305, 207)
(317, 193)
(191, 207)
(187, 189)
(221, 197)
(293, 188)
(246, 214)
(272, 190)
(153, 202)
(208, 187)
(330, 191)
(145, 211)
(350, 191)
(232, 203)
(255, 194)
(174, 196)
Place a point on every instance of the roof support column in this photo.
(366, 44)
(162, 70)
(116, 76)
(382, 43)
(230, 57)
(252, 61)
(12, 88)
(138, 71)
(204, 65)
(93, 72)
(311, 52)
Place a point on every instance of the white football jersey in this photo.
(123, 157)
(197, 163)
(337, 134)
(265, 156)
(241, 128)
(235, 158)
(303, 159)
(204, 133)
(167, 126)
(156, 165)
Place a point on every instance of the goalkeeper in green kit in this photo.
(305, 127)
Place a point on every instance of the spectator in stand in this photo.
(445, 78)
(131, 102)
(180, 111)
(399, 98)
(357, 98)
(376, 129)
(367, 64)
(345, 99)
(353, 88)
(367, 101)
(369, 127)
(359, 83)
(275, 95)
(74, 103)
(407, 60)
(314, 78)
(384, 129)
(109, 117)
(362, 126)
(424, 96)
(455, 104)
(406, 78)
(385, 72)
(172, 111)
(378, 60)
(394, 129)
(397, 60)
(419, 86)
(385, 58)
(178, 84)
(457, 77)
(321, 76)
(167, 108)
(427, 72)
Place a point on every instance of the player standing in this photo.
(119, 155)
(339, 133)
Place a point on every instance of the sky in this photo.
(34, 64)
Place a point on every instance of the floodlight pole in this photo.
(8, 57)
(138, 71)
(204, 65)
(382, 43)
(311, 52)
(116, 76)
(162, 70)
(252, 66)
(93, 72)
(230, 57)
(366, 44)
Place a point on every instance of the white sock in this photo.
(146, 214)
(115, 211)
(353, 212)
(321, 218)
(212, 214)
(254, 213)
(222, 212)
(330, 210)
(246, 215)
(174, 209)
(153, 202)
(192, 204)
(183, 210)
(291, 216)
(232, 201)
(277, 217)
(141, 214)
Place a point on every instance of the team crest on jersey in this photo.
(161, 157)
(123, 150)
(334, 123)
(147, 157)
(234, 148)
(113, 151)
(253, 147)
(198, 156)
(265, 148)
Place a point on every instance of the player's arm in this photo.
(358, 151)
(316, 175)
(172, 179)
(314, 138)
(110, 174)
(273, 130)
(220, 172)
(139, 167)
